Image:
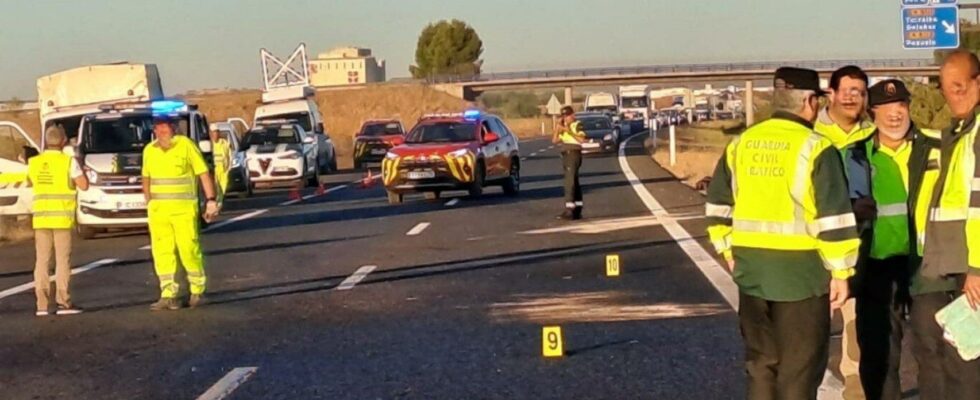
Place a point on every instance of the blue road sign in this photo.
(933, 27)
(927, 2)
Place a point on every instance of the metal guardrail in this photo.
(681, 68)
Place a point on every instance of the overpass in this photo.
(469, 87)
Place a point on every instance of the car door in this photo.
(311, 147)
(503, 147)
(491, 151)
(15, 148)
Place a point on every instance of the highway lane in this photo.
(452, 312)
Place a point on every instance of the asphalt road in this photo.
(454, 311)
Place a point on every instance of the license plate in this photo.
(590, 145)
(131, 205)
(379, 152)
(421, 174)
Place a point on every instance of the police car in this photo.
(280, 156)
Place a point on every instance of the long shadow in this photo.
(598, 346)
(559, 177)
(16, 274)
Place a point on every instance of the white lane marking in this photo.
(535, 154)
(418, 229)
(830, 388)
(312, 195)
(30, 285)
(452, 202)
(242, 217)
(356, 277)
(228, 383)
(523, 158)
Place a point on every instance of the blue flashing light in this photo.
(471, 115)
(168, 106)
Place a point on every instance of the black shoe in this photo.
(568, 215)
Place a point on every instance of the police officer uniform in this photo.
(571, 138)
(777, 205)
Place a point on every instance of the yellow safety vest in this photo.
(573, 135)
(954, 200)
(173, 174)
(54, 191)
(222, 151)
(929, 178)
(770, 158)
(889, 186)
(840, 138)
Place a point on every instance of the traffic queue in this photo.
(852, 207)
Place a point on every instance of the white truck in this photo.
(602, 102)
(107, 112)
(634, 103)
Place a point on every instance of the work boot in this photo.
(568, 215)
(196, 300)
(165, 304)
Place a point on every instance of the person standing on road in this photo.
(843, 123)
(570, 136)
(222, 161)
(54, 176)
(949, 232)
(172, 167)
(893, 159)
(778, 212)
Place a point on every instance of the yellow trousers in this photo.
(221, 176)
(173, 231)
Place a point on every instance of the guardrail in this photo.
(681, 68)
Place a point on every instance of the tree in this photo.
(447, 48)
(928, 107)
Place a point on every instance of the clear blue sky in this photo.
(215, 43)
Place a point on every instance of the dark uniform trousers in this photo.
(571, 159)
(881, 301)
(786, 346)
(943, 375)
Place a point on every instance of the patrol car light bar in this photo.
(469, 115)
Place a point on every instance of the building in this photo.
(346, 66)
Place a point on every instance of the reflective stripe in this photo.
(834, 222)
(569, 205)
(167, 277)
(54, 197)
(717, 210)
(974, 213)
(173, 196)
(841, 263)
(578, 204)
(976, 184)
(195, 274)
(777, 228)
(722, 244)
(948, 214)
(54, 213)
(802, 175)
(170, 181)
(893, 210)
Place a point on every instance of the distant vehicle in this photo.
(374, 140)
(280, 155)
(634, 103)
(602, 102)
(238, 179)
(602, 134)
(468, 150)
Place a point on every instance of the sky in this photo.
(201, 44)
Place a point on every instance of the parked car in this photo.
(279, 156)
(374, 140)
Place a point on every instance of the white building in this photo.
(346, 66)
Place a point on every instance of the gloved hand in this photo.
(211, 211)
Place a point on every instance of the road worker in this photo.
(569, 134)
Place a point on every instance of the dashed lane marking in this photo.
(418, 229)
(452, 202)
(228, 383)
(30, 285)
(356, 277)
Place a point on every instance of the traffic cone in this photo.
(368, 180)
(294, 194)
(320, 190)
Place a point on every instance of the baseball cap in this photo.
(888, 91)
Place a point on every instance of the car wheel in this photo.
(512, 186)
(86, 232)
(395, 198)
(476, 188)
(358, 165)
(433, 195)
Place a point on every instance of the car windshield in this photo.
(443, 132)
(590, 124)
(300, 118)
(272, 135)
(634, 102)
(381, 129)
(122, 135)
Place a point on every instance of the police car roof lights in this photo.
(469, 115)
(168, 106)
(157, 107)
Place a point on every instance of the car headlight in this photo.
(290, 156)
(608, 136)
(236, 162)
(91, 175)
(460, 153)
(391, 156)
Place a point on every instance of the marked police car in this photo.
(280, 156)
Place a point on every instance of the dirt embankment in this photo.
(698, 149)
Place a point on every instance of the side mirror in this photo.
(318, 128)
(308, 140)
(491, 137)
(205, 146)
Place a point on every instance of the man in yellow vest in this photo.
(222, 162)
(570, 136)
(172, 167)
(892, 160)
(951, 234)
(843, 123)
(54, 176)
(779, 213)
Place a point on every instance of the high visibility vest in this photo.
(222, 152)
(929, 178)
(770, 158)
(838, 136)
(573, 135)
(173, 183)
(54, 192)
(889, 187)
(954, 200)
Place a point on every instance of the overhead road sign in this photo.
(930, 27)
(927, 2)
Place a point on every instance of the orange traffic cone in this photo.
(320, 190)
(368, 180)
(294, 194)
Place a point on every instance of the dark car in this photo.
(374, 140)
(602, 134)
(443, 152)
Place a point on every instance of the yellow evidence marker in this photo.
(612, 265)
(551, 342)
